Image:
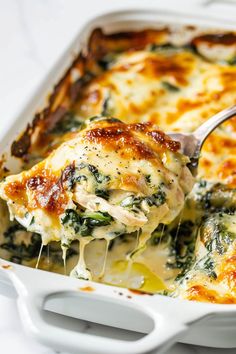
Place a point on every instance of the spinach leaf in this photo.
(106, 109)
(100, 178)
(209, 266)
(148, 178)
(84, 223)
(69, 123)
(161, 47)
(20, 251)
(103, 193)
(170, 87)
(106, 61)
(159, 197)
(133, 202)
(97, 218)
(215, 235)
(232, 61)
(72, 219)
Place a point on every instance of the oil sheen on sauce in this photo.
(146, 272)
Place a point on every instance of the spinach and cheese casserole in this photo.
(103, 193)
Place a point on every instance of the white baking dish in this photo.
(166, 320)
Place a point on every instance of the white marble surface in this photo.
(33, 33)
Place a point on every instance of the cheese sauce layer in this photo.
(129, 181)
(178, 90)
(110, 179)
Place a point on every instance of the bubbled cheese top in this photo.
(108, 179)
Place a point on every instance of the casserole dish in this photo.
(153, 314)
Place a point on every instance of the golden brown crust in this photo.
(201, 293)
(213, 39)
(125, 139)
(133, 141)
(227, 273)
(69, 89)
(177, 66)
(48, 190)
(100, 44)
(140, 140)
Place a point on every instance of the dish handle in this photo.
(164, 334)
(34, 287)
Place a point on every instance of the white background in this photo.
(33, 33)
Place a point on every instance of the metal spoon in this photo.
(191, 143)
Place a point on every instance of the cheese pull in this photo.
(110, 179)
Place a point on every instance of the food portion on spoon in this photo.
(107, 180)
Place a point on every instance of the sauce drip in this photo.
(81, 271)
(101, 275)
(64, 251)
(39, 256)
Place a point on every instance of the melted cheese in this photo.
(146, 79)
(139, 167)
(212, 277)
(136, 89)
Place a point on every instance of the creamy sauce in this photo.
(39, 256)
(139, 169)
(177, 89)
(81, 271)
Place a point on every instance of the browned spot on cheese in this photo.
(137, 141)
(201, 293)
(227, 172)
(87, 288)
(155, 118)
(121, 140)
(231, 124)
(217, 144)
(140, 127)
(227, 272)
(47, 189)
(231, 260)
(135, 108)
(48, 193)
(228, 79)
(16, 191)
(185, 105)
(217, 38)
(205, 163)
(100, 44)
(161, 138)
(176, 66)
(229, 277)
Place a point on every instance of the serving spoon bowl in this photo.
(191, 143)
